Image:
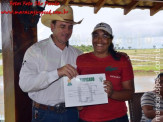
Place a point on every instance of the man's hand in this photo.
(67, 70)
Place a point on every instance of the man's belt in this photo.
(58, 108)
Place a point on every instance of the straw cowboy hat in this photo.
(59, 15)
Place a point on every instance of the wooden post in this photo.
(15, 41)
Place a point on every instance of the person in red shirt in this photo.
(119, 83)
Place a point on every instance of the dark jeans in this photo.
(121, 119)
(39, 115)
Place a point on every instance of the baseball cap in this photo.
(103, 26)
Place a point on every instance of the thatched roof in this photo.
(127, 5)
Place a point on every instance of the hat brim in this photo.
(47, 18)
(101, 28)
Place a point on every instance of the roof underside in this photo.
(153, 5)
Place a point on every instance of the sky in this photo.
(137, 29)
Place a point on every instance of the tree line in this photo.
(84, 48)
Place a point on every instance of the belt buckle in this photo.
(60, 108)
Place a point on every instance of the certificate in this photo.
(85, 90)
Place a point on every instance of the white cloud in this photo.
(137, 24)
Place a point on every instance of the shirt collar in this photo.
(54, 45)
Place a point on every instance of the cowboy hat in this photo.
(63, 13)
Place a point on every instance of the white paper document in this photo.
(85, 90)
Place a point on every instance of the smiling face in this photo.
(101, 41)
(61, 33)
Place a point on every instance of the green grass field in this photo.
(144, 61)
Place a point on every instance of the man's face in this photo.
(101, 42)
(62, 31)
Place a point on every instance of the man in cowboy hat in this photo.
(44, 66)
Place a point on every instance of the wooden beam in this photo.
(156, 8)
(98, 5)
(8, 63)
(150, 0)
(66, 2)
(15, 41)
(130, 6)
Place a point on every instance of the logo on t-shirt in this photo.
(109, 68)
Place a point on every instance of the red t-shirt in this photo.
(116, 72)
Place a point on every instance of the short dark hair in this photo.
(54, 21)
